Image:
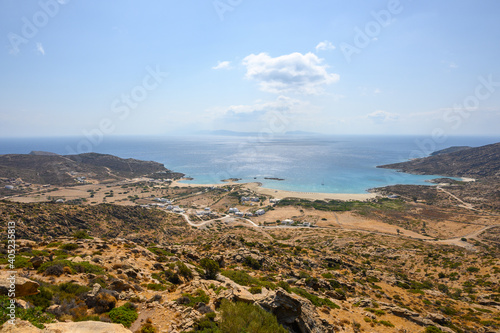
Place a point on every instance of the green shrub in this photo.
(125, 315)
(284, 285)
(81, 267)
(160, 252)
(156, 286)
(433, 329)
(255, 290)
(22, 262)
(252, 263)
(199, 296)
(241, 317)
(240, 277)
(386, 323)
(184, 271)
(36, 315)
(376, 311)
(81, 234)
(69, 246)
(211, 268)
(318, 301)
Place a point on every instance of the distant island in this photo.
(236, 133)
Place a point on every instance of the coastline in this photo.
(281, 194)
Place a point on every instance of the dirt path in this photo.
(463, 204)
(459, 242)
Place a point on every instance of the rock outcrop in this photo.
(23, 286)
(21, 326)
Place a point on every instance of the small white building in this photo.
(241, 214)
(287, 222)
(274, 200)
(178, 210)
(260, 212)
(60, 201)
(233, 210)
(9, 187)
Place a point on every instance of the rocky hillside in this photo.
(37, 221)
(449, 150)
(46, 168)
(223, 277)
(473, 162)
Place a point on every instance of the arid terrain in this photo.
(155, 255)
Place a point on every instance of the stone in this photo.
(293, 312)
(37, 261)
(21, 326)
(23, 286)
(438, 318)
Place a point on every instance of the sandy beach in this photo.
(280, 194)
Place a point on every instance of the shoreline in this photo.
(281, 194)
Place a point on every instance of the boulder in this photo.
(24, 286)
(293, 312)
(37, 261)
(438, 318)
(119, 286)
(21, 326)
(102, 302)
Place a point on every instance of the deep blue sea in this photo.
(330, 164)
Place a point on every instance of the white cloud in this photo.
(325, 46)
(39, 48)
(381, 116)
(273, 115)
(295, 72)
(223, 65)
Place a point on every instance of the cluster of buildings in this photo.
(249, 199)
(16, 182)
(160, 181)
(206, 212)
(236, 211)
(291, 222)
(81, 179)
(163, 200)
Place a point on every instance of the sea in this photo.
(304, 163)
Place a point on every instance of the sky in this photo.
(83, 68)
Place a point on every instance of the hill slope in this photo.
(61, 169)
(477, 162)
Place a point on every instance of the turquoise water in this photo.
(330, 164)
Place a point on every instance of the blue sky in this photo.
(168, 67)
